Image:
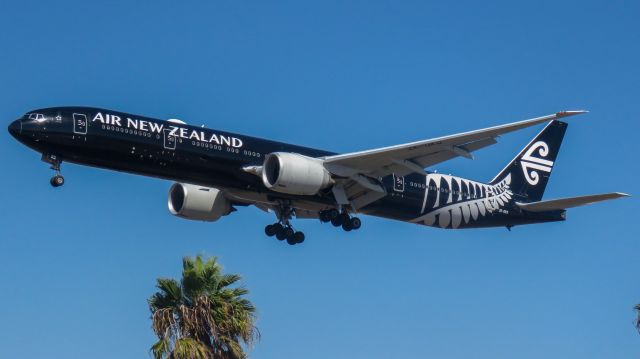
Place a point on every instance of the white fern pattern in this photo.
(463, 207)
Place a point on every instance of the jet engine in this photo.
(294, 174)
(197, 203)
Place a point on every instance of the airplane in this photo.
(215, 172)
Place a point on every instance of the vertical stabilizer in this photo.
(531, 168)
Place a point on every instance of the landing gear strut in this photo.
(282, 229)
(57, 180)
(340, 219)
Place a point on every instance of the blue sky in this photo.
(78, 263)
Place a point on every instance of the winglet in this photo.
(570, 113)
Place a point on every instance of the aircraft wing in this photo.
(564, 203)
(415, 156)
(360, 170)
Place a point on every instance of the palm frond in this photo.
(169, 294)
(161, 349)
(194, 282)
(164, 322)
(198, 320)
(233, 349)
(204, 315)
(229, 279)
(188, 348)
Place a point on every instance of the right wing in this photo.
(564, 203)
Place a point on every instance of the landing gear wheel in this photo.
(328, 215)
(288, 232)
(298, 237)
(324, 216)
(279, 231)
(336, 221)
(356, 223)
(270, 230)
(57, 181)
(345, 221)
(345, 217)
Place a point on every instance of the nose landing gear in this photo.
(57, 180)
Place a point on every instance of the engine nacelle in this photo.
(294, 174)
(197, 202)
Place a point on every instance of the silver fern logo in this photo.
(531, 164)
(479, 200)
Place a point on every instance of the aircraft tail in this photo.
(530, 170)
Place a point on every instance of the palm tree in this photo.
(204, 316)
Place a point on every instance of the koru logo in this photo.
(531, 165)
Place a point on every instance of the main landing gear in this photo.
(340, 219)
(57, 180)
(282, 229)
(282, 232)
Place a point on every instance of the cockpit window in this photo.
(38, 117)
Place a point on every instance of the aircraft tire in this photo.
(356, 223)
(270, 230)
(324, 216)
(279, 231)
(298, 237)
(57, 181)
(288, 232)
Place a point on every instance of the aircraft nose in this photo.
(15, 128)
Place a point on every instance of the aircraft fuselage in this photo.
(197, 155)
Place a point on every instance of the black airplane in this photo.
(215, 172)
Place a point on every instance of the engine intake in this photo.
(197, 203)
(293, 173)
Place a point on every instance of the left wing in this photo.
(359, 171)
(415, 156)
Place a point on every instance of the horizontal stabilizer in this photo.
(564, 203)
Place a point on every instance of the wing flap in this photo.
(570, 202)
